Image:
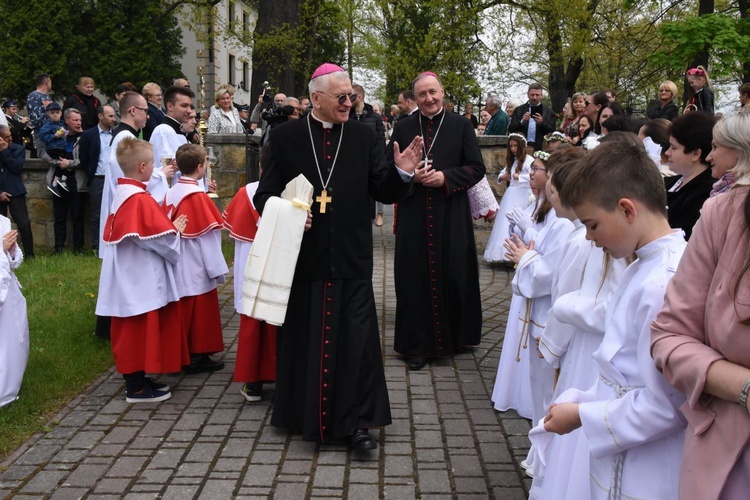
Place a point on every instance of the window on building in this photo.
(245, 75)
(245, 22)
(231, 70)
(231, 16)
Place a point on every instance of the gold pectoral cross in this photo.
(323, 199)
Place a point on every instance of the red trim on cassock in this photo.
(256, 351)
(203, 216)
(139, 216)
(241, 218)
(201, 321)
(152, 342)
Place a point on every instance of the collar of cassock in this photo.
(174, 124)
(434, 116)
(325, 124)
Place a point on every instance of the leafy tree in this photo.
(39, 37)
(139, 42)
(291, 38)
(111, 42)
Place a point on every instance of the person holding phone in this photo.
(533, 119)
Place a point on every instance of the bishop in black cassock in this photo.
(438, 307)
(330, 379)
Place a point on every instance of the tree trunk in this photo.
(276, 70)
(743, 8)
(704, 7)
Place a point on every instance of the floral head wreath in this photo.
(542, 155)
(695, 72)
(516, 135)
(556, 136)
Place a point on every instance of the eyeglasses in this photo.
(142, 109)
(586, 103)
(343, 97)
(534, 168)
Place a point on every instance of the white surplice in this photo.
(14, 325)
(533, 282)
(630, 416)
(137, 273)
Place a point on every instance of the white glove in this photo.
(518, 217)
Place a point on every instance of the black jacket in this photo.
(548, 124)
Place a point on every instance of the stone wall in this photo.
(233, 169)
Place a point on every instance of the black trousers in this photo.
(70, 202)
(20, 216)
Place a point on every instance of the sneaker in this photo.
(157, 386)
(525, 464)
(252, 392)
(530, 472)
(147, 395)
(63, 183)
(202, 363)
(54, 189)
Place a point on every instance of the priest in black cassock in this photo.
(438, 311)
(330, 382)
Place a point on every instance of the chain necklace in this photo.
(324, 199)
(426, 151)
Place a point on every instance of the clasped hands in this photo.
(9, 240)
(410, 160)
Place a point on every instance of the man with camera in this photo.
(532, 119)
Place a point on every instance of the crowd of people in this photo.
(623, 342)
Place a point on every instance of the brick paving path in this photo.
(446, 441)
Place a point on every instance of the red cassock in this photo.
(256, 346)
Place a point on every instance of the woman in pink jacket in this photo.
(701, 339)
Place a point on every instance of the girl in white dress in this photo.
(518, 194)
(14, 326)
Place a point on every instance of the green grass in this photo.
(65, 356)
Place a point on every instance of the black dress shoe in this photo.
(361, 440)
(202, 363)
(417, 363)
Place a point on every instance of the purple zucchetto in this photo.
(326, 69)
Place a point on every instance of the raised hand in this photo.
(409, 159)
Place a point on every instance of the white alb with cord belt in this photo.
(269, 270)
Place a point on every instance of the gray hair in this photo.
(494, 100)
(69, 112)
(290, 101)
(3, 128)
(322, 82)
(734, 133)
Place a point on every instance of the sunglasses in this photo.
(343, 97)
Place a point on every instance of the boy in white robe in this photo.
(630, 416)
(582, 283)
(137, 285)
(14, 325)
(201, 267)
